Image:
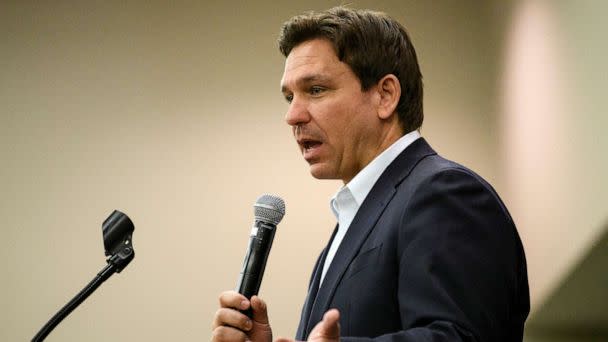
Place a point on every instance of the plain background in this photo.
(171, 112)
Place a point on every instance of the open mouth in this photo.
(310, 144)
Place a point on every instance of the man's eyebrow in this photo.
(306, 80)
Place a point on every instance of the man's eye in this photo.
(316, 90)
(288, 98)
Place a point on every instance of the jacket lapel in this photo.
(313, 289)
(362, 225)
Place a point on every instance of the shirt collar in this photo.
(363, 182)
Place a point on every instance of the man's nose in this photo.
(297, 113)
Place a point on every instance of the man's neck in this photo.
(387, 138)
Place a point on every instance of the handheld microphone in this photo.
(268, 211)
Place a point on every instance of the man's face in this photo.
(334, 122)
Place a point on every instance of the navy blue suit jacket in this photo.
(431, 255)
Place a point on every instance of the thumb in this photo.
(328, 328)
(260, 312)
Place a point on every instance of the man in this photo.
(424, 249)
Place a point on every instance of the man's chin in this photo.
(319, 171)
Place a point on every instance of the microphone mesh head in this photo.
(269, 208)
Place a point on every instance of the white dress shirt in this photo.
(346, 202)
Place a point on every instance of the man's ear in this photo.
(389, 89)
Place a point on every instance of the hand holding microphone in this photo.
(243, 315)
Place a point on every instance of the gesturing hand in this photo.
(328, 330)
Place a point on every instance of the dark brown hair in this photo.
(372, 44)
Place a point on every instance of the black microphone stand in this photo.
(117, 234)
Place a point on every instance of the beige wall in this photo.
(553, 108)
(171, 113)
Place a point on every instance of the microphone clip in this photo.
(117, 240)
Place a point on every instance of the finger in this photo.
(330, 324)
(233, 299)
(284, 339)
(328, 328)
(228, 334)
(233, 318)
(260, 310)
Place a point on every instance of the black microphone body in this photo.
(260, 242)
(268, 210)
